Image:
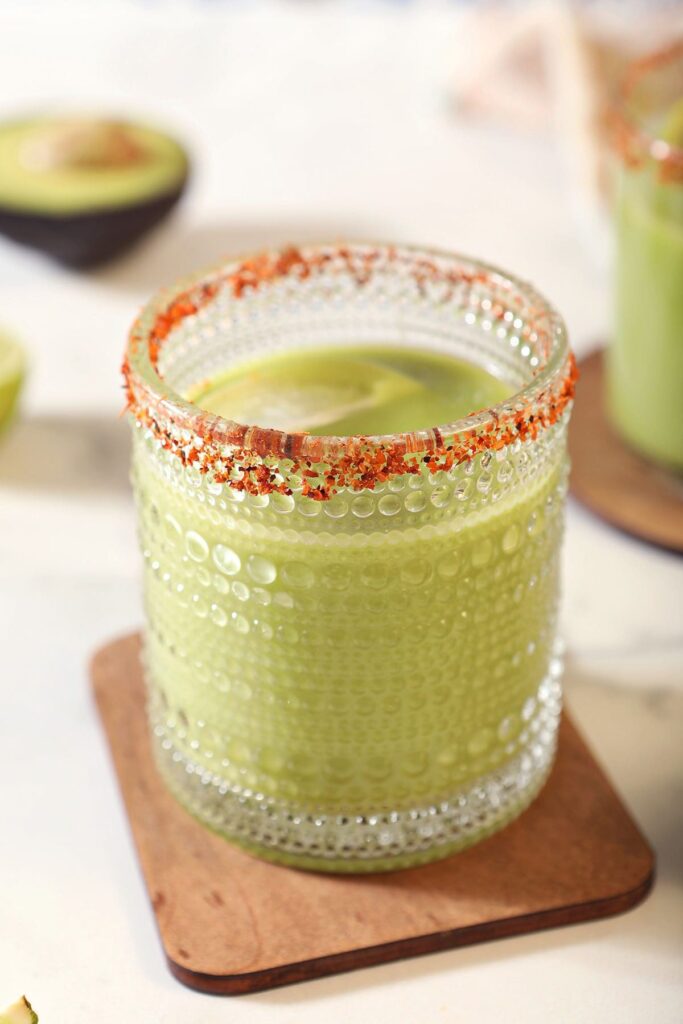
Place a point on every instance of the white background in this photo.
(305, 122)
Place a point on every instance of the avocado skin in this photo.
(90, 238)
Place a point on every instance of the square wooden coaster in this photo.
(617, 484)
(231, 924)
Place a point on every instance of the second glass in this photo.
(350, 641)
(645, 364)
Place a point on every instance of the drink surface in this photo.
(369, 655)
(646, 359)
(340, 391)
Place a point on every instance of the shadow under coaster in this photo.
(232, 924)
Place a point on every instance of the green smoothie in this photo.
(646, 360)
(351, 391)
(380, 661)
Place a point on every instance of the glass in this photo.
(645, 365)
(350, 641)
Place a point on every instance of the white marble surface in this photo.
(306, 122)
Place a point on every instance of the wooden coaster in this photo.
(230, 923)
(612, 480)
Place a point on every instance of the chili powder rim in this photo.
(634, 144)
(262, 460)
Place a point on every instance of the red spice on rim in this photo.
(261, 461)
(633, 141)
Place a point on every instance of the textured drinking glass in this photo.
(645, 378)
(350, 641)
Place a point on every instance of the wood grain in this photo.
(230, 923)
(614, 482)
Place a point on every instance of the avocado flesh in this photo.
(50, 165)
(20, 1012)
(84, 191)
(12, 371)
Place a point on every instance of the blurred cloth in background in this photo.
(554, 67)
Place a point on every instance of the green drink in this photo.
(350, 638)
(342, 391)
(645, 381)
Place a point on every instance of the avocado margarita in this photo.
(349, 641)
(645, 381)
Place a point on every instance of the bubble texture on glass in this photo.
(365, 682)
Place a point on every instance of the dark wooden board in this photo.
(622, 488)
(230, 923)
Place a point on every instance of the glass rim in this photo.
(632, 141)
(239, 454)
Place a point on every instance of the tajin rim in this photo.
(261, 460)
(632, 141)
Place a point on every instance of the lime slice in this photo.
(20, 1012)
(306, 392)
(12, 370)
(672, 130)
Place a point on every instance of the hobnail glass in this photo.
(349, 644)
(645, 360)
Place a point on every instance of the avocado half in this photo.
(83, 189)
(20, 1012)
(12, 373)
